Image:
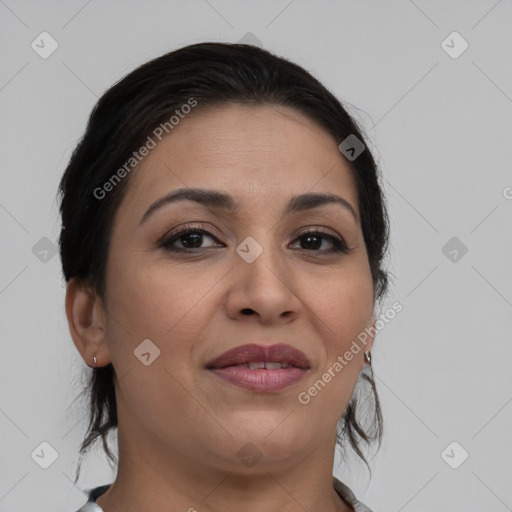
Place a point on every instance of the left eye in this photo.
(314, 240)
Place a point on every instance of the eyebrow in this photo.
(215, 199)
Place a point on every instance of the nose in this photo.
(263, 289)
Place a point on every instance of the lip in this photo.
(266, 380)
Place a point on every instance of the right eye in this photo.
(190, 238)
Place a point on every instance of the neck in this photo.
(152, 476)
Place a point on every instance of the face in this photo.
(257, 273)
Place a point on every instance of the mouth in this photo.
(261, 368)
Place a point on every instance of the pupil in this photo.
(197, 237)
(312, 246)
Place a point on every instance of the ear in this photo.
(86, 320)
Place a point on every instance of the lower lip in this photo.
(261, 379)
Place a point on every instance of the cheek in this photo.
(341, 308)
(343, 303)
(168, 304)
(172, 308)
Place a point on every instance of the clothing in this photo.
(348, 497)
(343, 490)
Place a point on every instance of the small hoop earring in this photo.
(368, 356)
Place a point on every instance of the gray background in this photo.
(440, 128)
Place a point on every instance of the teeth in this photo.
(269, 365)
(272, 366)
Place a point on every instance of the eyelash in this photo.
(338, 244)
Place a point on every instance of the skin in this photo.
(180, 427)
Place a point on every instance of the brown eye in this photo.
(190, 239)
(313, 240)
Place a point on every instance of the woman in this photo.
(223, 232)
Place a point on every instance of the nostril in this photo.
(247, 311)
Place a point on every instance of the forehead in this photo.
(260, 154)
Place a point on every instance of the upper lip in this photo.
(256, 353)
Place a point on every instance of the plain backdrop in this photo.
(437, 115)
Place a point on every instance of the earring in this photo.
(368, 356)
(94, 359)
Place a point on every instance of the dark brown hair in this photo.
(212, 74)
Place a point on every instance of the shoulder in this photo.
(91, 505)
(349, 497)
